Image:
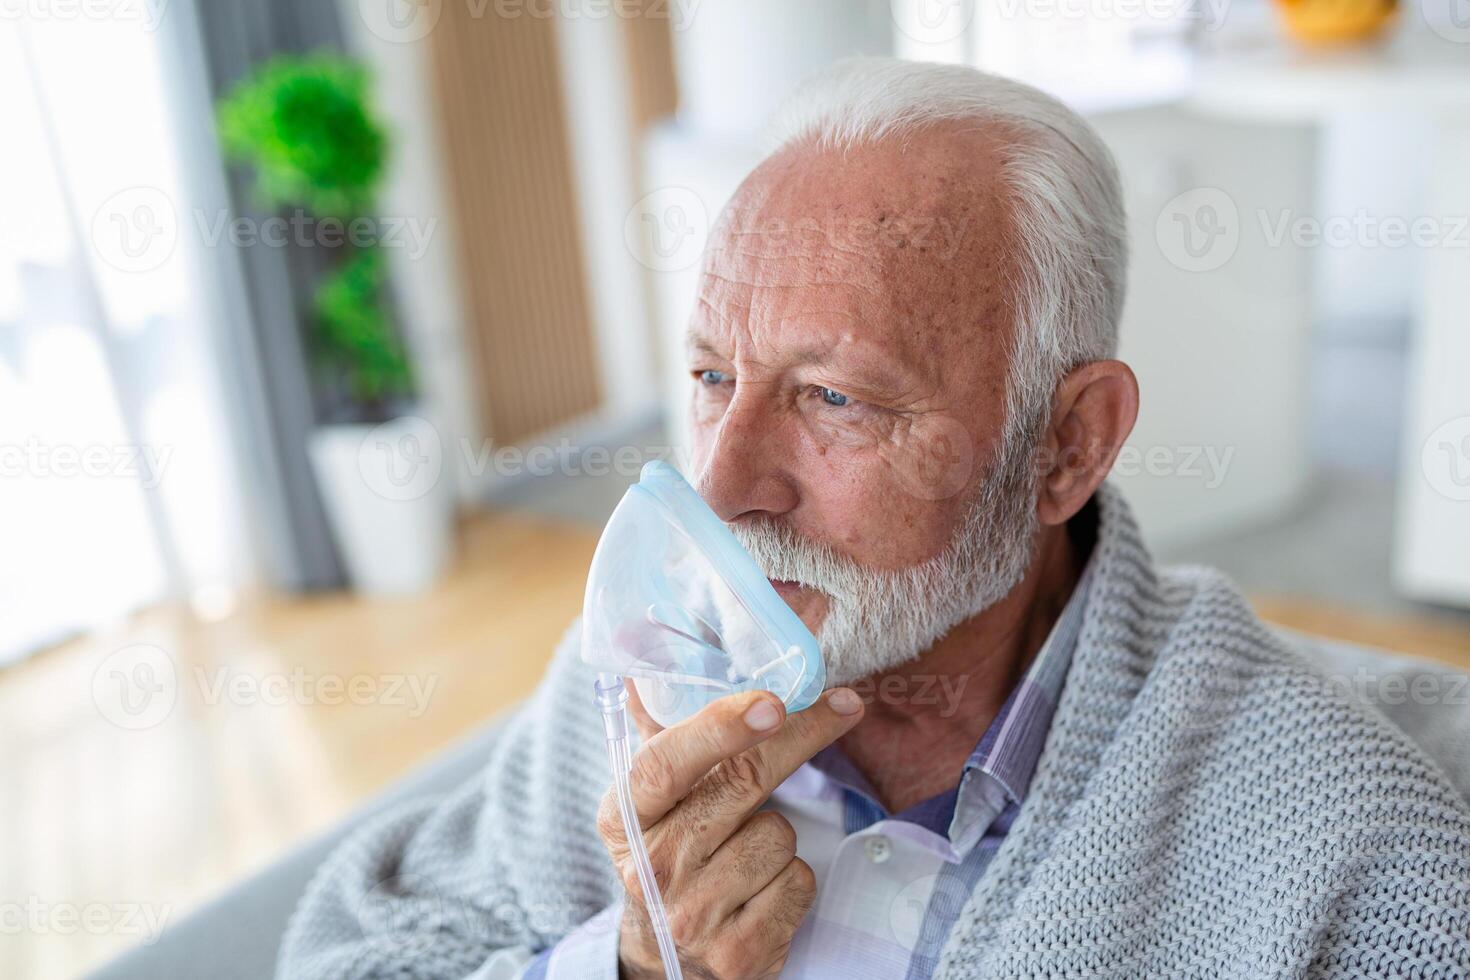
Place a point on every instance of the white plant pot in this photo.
(388, 499)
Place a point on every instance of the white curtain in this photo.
(116, 482)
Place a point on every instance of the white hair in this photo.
(1060, 180)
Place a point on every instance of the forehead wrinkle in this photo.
(770, 310)
(746, 245)
(787, 274)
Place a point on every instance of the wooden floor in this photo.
(107, 832)
(136, 827)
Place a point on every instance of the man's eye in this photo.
(712, 377)
(835, 398)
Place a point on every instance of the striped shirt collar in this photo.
(998, 772)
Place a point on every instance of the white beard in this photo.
(878, 620)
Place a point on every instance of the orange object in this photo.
(1323, 22)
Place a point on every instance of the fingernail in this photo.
(845, 701)
(762, 715)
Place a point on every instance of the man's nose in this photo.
(747, 468)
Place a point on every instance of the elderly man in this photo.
(905, 404)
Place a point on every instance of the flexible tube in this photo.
(612, 700)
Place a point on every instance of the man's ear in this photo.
(1092, 413)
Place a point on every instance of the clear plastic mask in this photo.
(674, 602)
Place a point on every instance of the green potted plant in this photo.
(306, 128)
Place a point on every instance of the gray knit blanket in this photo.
(1207, 804)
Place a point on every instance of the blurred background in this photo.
(331, 331)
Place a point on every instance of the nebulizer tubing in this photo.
(665, 565)
(612, 700)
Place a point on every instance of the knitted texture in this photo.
(1207, 804)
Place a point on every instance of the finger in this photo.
(774, 913)
(647, 727)
(738, 786)
(668, 765)
(749, 861)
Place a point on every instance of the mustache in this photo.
(787, 556)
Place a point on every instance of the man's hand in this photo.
(734, 889)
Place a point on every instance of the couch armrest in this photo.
(236, 936)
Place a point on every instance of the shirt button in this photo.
(878, 848)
